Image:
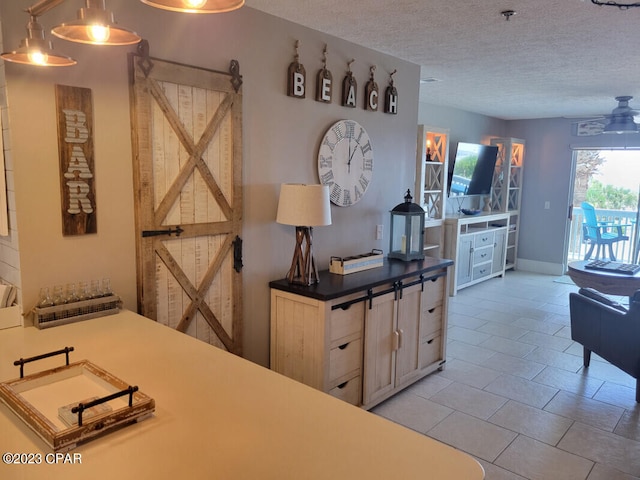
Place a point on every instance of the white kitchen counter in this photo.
(217, 416)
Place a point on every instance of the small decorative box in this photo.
(356, 263)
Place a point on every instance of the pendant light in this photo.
(196, 6)
(36, 50)
(95, 25)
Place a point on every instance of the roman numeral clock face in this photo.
(345, 162)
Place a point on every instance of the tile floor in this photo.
(514, 393)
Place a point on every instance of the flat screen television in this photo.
(471, 172)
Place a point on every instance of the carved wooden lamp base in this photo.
(303, 266)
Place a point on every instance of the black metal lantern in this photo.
(407, 230)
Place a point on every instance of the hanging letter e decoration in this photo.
(324, 85)
(74, 108)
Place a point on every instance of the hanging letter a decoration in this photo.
(74, 107)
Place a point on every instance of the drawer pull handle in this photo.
(342, 347)
(429, 342)
(342, 385)
(432, 310)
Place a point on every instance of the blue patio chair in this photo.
(599, 233)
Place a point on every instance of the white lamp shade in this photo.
(304, 205)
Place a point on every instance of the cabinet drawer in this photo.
(430, 321)
(481, 255)
(434, 291)
(430, 350)
(483, 239)
(345, 359)
(481, 271)
(347, 323)
(348, 391)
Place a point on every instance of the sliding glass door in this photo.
(610, 181)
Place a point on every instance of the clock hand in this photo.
(351, 155)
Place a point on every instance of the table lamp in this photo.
(305, 207)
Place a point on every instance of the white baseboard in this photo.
(540, 267)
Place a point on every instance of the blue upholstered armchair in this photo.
(607, 329)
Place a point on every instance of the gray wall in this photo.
(549, 145)
(548, 177)
(281, 139)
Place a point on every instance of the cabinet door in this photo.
(499, 251)
(465, 259)
(380, 342)
(409, 311)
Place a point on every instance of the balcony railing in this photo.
(623, 250)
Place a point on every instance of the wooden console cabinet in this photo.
(362, 337)
(478, 246)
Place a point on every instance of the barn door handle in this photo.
(168, 231)
(237, 254)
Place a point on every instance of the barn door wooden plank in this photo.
(187, 139)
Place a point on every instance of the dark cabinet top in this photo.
(333, 285)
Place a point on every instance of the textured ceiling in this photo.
(553, 58)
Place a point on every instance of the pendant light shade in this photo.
(36, 50)
(95, 25)
(196, 6)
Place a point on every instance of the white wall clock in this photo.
(345, 162)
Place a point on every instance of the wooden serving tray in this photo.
(42, 400)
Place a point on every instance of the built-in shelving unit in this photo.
(432, 161)
(506, 192)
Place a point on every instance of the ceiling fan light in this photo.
(36, 50)
(196, 6)
(96, 26)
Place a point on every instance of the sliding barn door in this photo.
(187, 138)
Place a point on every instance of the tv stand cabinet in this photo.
(478, 246)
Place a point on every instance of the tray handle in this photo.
(83, 406)
(22, 361)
